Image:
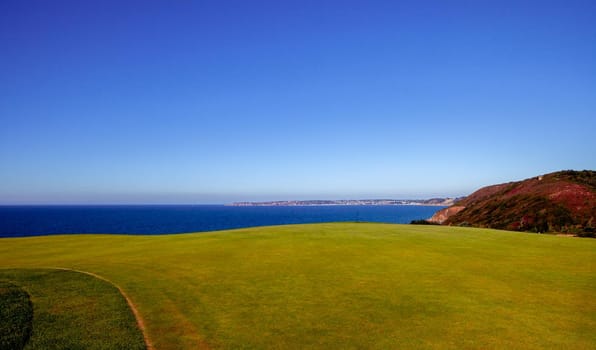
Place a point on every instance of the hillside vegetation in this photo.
(326, 286)
(558, 202)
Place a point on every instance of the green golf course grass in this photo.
(337, 285)
(71, 310)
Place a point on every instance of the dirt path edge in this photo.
(131, 305)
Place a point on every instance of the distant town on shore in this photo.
(432, 201)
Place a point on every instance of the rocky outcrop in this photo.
(442, 215)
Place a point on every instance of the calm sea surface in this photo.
(16, 221)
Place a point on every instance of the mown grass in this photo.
(75, 311)
(344, 285)
(16, 316)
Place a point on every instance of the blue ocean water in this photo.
(17, 221)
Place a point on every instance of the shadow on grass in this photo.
(16, 316)
(64, 310)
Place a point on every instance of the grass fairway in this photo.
(345, 285)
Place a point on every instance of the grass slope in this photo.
(75, 311)
(345, 285)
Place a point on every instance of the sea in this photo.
(20, 221)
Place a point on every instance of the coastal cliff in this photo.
(563, 201)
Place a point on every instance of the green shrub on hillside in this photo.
(422, 222)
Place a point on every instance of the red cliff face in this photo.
(442, 215)
(563, 202)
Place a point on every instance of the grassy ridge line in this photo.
(342, 285)
(133, 308)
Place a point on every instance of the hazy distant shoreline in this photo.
(302, 203)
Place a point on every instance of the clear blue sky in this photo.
(218, 101)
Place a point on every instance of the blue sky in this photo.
(219, 101)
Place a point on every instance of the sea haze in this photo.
(18, 221)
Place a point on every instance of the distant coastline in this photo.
(439, 202)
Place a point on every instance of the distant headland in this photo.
(431, 202)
